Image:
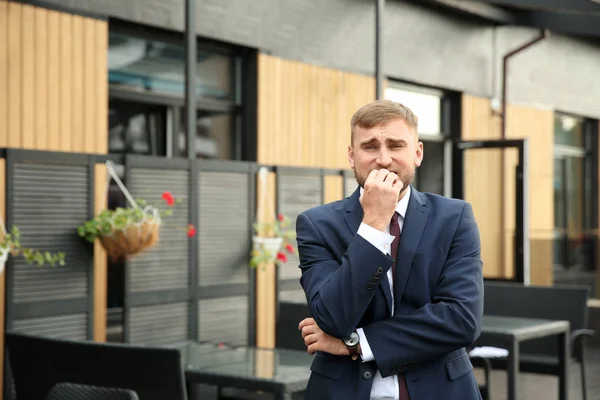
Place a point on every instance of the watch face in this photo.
(352, 340)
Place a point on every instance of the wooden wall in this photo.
(54, 97)
(304, 116)
(53, 80)
(494, 203)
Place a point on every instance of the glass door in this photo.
(492, 175)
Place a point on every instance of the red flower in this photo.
(281, 257)
(280, 217)
(289, 248)
(191, 232)
(168, 197)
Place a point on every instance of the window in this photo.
(433, 174)
(147, 96)
(159, 67)
(136, 128)
(573, 197)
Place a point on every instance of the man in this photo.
(393, 277)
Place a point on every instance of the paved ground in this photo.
(540, 387)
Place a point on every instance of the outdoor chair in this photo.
(559, 302)
(39, 363)
(72, 391)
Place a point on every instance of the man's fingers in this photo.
(306, 322)
(391, 178)
(312, 349)
(398, 185)
(310, 339)
(308, 330)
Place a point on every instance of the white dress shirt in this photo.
(383, 388)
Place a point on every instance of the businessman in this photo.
(393, 277)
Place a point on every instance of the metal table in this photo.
(278, 371)
(513, 330)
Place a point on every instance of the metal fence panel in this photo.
(47, 200)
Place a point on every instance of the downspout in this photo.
(543, 35)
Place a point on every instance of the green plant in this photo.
(266, 248)
(12, 244)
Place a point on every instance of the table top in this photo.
(272, 367)
(522, 328)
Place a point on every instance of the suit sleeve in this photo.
(338, 293)
(453, 318)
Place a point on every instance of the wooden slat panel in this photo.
(77, 98)
(42, 40)
(483, 192)
(304, 116)
(305, 111)
(55, 82)
(333, 188)
(65, 67)
(28, 113)
(100, 262)
(489, 198)
(3, 75)
(88, 134)
(14, 74)
(101, 87)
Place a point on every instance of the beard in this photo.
(406, 176)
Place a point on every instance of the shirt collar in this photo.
(402, 205)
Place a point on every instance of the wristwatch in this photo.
(352, 342)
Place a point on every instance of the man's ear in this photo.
(351, 156)
(419, 155)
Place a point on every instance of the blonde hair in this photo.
(381, 112)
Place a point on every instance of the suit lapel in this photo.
(354, 216)
(412, 230)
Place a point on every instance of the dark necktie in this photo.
(395, 232)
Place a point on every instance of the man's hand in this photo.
(317, 340)
(380, 197)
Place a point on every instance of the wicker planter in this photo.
(132, 240)
(270, 245)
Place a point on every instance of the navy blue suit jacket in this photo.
(438, 297)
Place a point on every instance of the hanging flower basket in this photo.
(269, 236)
(268, 247)
(126, 232)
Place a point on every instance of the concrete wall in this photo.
(421, 45)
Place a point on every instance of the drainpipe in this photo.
(379, 7)
(543, 35)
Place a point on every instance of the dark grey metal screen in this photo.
(47, 196)
(157, 281)
(199, 288)
(226, 284)
(350, 184)
(298, 189)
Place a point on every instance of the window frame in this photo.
(242, 132)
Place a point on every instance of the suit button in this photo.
(401, 368)
(394, 370)
(374, 280)
(379, 270)
(367, 375)
(370, 286)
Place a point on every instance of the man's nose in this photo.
(384, 158)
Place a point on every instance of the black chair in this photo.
(39, 363)
(559, 302)
(72, 391)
